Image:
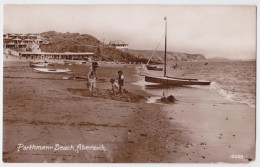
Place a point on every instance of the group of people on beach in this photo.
(117, 87)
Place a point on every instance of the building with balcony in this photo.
(22, 41)
(118, 44)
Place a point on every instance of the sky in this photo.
(214, 31)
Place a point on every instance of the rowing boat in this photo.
(153, 67)
(46, 70)
(38, 64)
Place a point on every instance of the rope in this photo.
(155, 50)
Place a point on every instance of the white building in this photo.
(118, 44)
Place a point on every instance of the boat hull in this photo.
(175, 81)
(38, 65)
(155, 68)
(46, 70)
(66, 62)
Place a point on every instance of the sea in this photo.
(233, 80)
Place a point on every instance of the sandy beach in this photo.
(210, 129)
(45, 110)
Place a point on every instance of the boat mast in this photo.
(165, 50)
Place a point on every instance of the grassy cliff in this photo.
(171, 56)
(76, 42)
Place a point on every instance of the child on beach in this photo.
(115, 86)
(92, 76)
(121, 81)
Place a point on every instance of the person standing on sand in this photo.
(92, 76)
(121, 81)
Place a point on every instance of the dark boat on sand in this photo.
(153, 67)
(175, 81)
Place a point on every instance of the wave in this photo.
(228, 94)
(231, 95)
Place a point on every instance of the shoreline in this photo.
(213, 129)
(203, 121)
(130, 132)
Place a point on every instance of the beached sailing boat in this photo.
(46, 70)
(173, 81)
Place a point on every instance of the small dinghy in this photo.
(153, 67)
(38, 64)
(52, 70)
(67, 62)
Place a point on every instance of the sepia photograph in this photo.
(129, 83)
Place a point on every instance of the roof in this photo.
(117, 42)
(48, 53)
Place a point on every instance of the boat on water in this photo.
(172, 81)
(46, 70)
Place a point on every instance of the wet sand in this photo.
(210, 129)
(199, 128)
(205, 127)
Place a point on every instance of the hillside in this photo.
(75, 42)
(171, 56)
